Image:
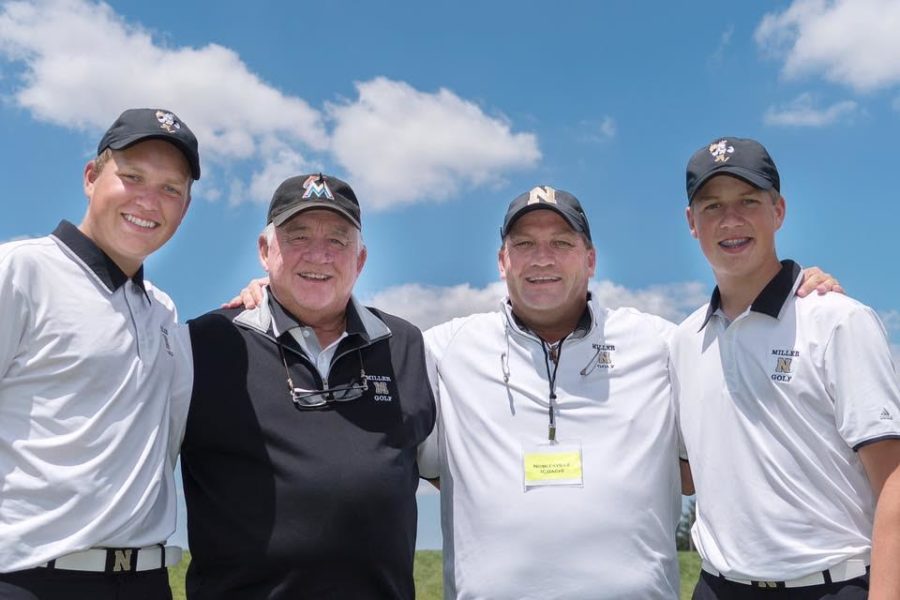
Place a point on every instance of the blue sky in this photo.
(439, 113)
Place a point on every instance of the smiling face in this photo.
(735, 223)
(547, 266)
(136, 201)
(313, 261)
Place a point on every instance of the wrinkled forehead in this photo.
(320, 218)
(541, 222)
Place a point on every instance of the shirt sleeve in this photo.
(14, 313)
(429, 459)
(182, 386)
(862, 380)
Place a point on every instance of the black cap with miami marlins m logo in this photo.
(139, 124)
(742, 158)
(305, 192)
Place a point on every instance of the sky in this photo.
(439, 113)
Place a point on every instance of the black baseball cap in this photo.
(545, 197)
(305, 192)
(139, 124)
(742, 158)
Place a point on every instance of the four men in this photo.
(556, 430)
(789, 407)
(88, 365)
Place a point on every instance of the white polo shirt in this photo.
(88, 437)
(772, 409)
(614, 537)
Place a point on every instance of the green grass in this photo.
(690, 572)
(428, 575)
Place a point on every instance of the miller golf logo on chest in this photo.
(604, 355)
(382, 391)
(165, 334)
(784, 364)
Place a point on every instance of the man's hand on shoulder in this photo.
(817, 280)
(250, 296)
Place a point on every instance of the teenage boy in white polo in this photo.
(88, 363)
(789, 407)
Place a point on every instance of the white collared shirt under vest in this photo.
(88, 437)
(612, 538)
(773, 408)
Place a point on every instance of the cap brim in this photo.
(573, 223)
(751, 177)
(131, 140)
(282, 217)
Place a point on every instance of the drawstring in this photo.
(553, 355)
(504, 358)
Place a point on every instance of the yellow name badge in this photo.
(553, 464)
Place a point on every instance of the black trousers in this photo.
(710, 587)
(60, 584)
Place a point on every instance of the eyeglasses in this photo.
(304, 399)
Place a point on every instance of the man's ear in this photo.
(780, 212)
(689, 214)
(263, 248)
(89, 177)
(361, 259)
(592, 260)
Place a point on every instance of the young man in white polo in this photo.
(789, 407)
(88, 364)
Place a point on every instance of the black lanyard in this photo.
(551, 379)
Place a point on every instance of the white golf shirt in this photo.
(613, 537)
(88, 441)
(772, 409)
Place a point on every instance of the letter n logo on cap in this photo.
(542, 194)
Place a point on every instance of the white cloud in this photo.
(17, 238)
(439, 142)
(672, 301)
(84, 63)
(718, 55)
(851, 42)
(891, 320)
(426, 306)
(802, 112)
(598, 131)
(79, 64)
(281, 162)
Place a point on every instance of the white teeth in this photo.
(140, 222)
(317, 276)
(542, 279)
(734, 243)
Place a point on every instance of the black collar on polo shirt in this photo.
(283, 321)
(96, 259)
(771, 299)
